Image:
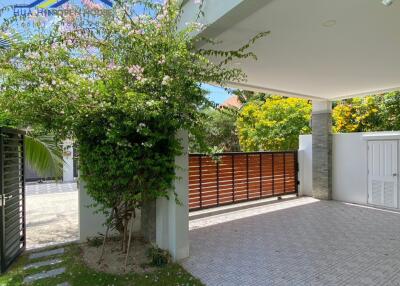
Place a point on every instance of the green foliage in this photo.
(390, 111)
(246, 96)
(158, 256)
(357, 115)
(44, 155)
(274, 125)
(371, 113)
(220, 131)
(122, 85)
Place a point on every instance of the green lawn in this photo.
(77, 274)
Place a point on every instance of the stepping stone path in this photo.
(43, 275)
(46, 253)
(49, 273)
(43, 263)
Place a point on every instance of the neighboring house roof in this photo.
(232, 101)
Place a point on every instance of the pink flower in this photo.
(136, 71)
(112, 66)
(137, 32)
(91, 5)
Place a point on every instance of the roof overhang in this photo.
(318, 49)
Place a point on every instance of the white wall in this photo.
(349, 160)
(90, 223)
(350, 166)
(305, 165)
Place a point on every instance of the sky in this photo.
(216, 94)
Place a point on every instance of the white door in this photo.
(383, 173)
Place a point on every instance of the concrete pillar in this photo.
(322, 149)
(68, 157)
(172, 219)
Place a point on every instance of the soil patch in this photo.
(114, 260)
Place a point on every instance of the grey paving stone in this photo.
(299, 242)
(43, 275)
(42, 263)
(46, 253)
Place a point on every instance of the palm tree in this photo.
(43, 155)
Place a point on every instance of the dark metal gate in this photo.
(12, 190)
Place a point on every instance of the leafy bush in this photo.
(158, 256)
(120, 84)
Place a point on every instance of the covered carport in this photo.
(319, 50)
(324, 51)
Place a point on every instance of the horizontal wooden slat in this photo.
(237, 177)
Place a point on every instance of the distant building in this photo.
(232, 101)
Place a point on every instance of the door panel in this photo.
(383, 173)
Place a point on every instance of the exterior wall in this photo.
(91, 223)
(305, 165)
(349, 171)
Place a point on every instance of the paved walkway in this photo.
(298, 242)
(51, 214)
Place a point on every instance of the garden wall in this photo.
(349, 159)
(90, 223)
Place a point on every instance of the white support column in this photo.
(172, 219)
(68, 157)
(322, 149)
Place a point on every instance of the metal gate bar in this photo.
(12, 196)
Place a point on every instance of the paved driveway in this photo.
(51, 214)
(298, 242)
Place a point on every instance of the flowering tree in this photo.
(273, 125)
(122, 84)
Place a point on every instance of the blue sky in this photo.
(216, 94)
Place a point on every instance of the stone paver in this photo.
(43, 263)
(51, 214)
(298, 242)
(43, 275)
(46, 253)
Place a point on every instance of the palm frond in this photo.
(43, 155)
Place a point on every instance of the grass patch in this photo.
(78, 274)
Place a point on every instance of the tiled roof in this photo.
(232, 101)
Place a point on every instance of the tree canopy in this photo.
(366, 114)
(121, 85)
(220, 134)
(273, 125)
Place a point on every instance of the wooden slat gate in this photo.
(230, 178)
(12, 191)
